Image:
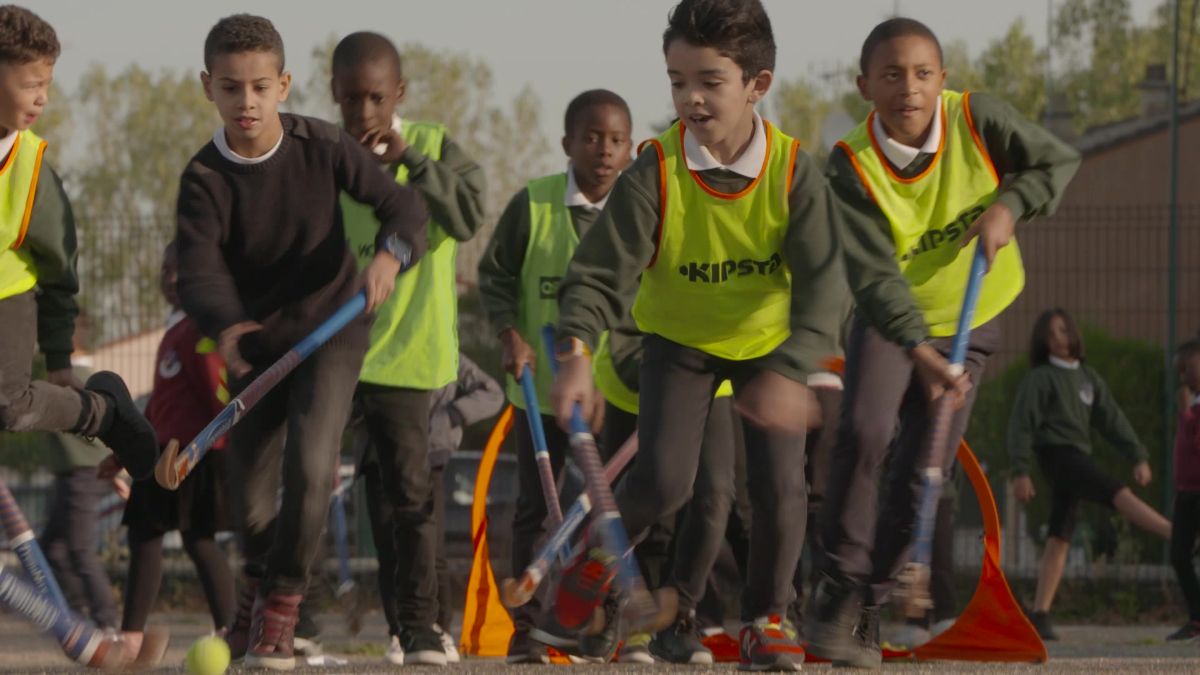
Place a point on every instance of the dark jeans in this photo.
(27, 405)
(397, 422)
(1185, 527)
(677, 387)
(819, 444)
(71, 543)
(293, 436)
(864, 542)
(529, 518)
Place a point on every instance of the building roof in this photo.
(1106, 136)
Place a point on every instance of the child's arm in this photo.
(1035, 166)
(453, 188)
(51, 242)
(1110, 420)
(478, 396)
(399, 209)
(500, 281)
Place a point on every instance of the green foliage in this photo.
(1133, 371)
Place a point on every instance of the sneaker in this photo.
(864, 651)
(577, 647)
(423, 646)
(307, 640)
(585, 584)
(395, 652)
(601, 647)
(1041, 623)
(522, 649)
(766, 646)
(448, 645)
(636, 649)
(272, 631)
(680, 643)
(831, 616)
(1188, 633)
(911, 634)
(238, 635)
(123, 427)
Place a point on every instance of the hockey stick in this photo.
(174, 465)
(25, 545)
(643, 611)
(540, 451)
(80, 640)
(914, 580)
(517, 592)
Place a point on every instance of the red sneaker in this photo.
(272, 631)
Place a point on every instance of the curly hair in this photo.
(242, 33)
(26, 37)
(737, 29)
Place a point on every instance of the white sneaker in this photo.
(395, 653)
(448, 645)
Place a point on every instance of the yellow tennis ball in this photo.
(208, 656)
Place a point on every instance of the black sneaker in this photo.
(524, 650)
(123, 428)
(422, 646)
(1188, 633)
(602, 647)
(864, 651)
(831, 616)
(680, 643)
(578, 647)
(1041, 623)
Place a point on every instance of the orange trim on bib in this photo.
(966, 104)
(787, 191)
(862, 176)
(887, 166)
(37, 171)
(662, 196)
(726, 195)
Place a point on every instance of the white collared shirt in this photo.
(574, 197)
(397, 127)
(749, 164)
(229, 154)
(1063, 363)
(901, 155)
(6, 145)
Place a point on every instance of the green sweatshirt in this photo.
(1034, 166)
(602, 279)
(453, 188)
(1061, 406)
(500, 266)
(51, 240)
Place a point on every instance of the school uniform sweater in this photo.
(1187, 449)
(1034, 168)
(1059, 406)
(264, 242)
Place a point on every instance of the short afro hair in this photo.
(365, 47)
(242, 33)
(737, 29)
(25, 37)
(591, 99)
(894, 28)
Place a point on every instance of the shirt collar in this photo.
(749, 164)
(6, 145)
(229, 154)
(574, 197)
(175, 317)
(901, 155)
(1063, 363)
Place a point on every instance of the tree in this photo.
(799, 111)
(55, 124)
(1189, 43)
(1104, 56)
(1013, 69)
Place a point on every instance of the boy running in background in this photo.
(919, 184)
(1185, 517)
(726, 224)
(518, 281)
(37, 269)
(414, 341)
(263, 260)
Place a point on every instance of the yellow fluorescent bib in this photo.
(929, 214)
(18, 187)
(414, 339)
(718, 282)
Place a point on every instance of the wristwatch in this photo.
(569, 348)
(399, 249)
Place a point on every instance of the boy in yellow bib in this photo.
(727, 225)
(37, 269)
(928, 176)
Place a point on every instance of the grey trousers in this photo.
(71, 541)
(884, 400)
(27, 405)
